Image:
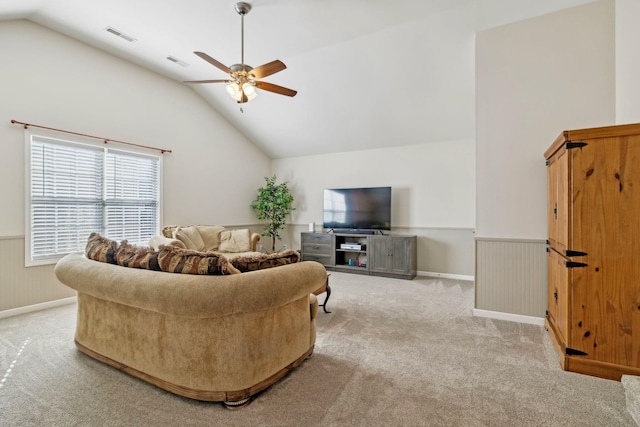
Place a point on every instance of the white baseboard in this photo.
(509, 316)
(446, 275)
(36, 307)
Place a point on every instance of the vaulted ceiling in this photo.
(369, 73)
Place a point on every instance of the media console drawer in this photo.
(317, 247)
(322, 259)
(319, 238)
(312, 248)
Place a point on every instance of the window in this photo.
(75, 189)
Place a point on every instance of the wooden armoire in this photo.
(593, 313)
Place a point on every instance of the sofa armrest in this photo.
(313, 306)
(156, 241)
(255, 239)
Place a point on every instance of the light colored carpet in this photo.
(631, 384)
(392, 352)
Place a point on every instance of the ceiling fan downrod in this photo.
(242, 8)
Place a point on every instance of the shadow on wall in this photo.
(400, 205)
(433, 254)
(446, 251)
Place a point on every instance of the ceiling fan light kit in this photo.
(244, 79)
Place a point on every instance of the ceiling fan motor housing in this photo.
(241, 67)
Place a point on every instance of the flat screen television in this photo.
(357, 209)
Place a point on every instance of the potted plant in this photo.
(273, 204)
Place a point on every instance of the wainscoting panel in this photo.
(511, 276)
(21, 286)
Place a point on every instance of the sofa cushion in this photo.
(190, 236)
(100, 248)
(137, 257)
(176, 260)
(235, 240)
(156, 241)
(261, 261)
(210, 236)
(169, 230)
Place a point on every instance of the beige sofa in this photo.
(207, 337)
(210, 238)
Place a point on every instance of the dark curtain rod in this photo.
(106, 140)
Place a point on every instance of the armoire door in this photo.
(558, 205)
(558, 294)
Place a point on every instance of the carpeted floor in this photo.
(392, 352)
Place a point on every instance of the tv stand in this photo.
(372, 254)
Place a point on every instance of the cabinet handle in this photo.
(555, 295)
(555, 211)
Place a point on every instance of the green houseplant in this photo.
(273, 203)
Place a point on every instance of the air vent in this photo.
(177, 61)
(120, 34)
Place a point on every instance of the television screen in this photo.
(357, 208)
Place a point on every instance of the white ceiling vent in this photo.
(177, 61)
(120, 34)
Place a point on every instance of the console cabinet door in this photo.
(399, 260)
(379, 254)
(395, 255)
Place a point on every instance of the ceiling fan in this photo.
(244, 79)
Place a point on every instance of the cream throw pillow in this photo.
(235, 241)
(190, 236)
(210, 236)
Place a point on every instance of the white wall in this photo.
(494, 13)
(432, 188)
(534, 79)
(52, 80)
(432, 183)
(627, 61)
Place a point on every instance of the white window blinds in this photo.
(76, 189)
(131, 202)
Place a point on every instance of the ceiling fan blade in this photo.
(214, 62)
(208, 81)
(276, 89)
(268, 69)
